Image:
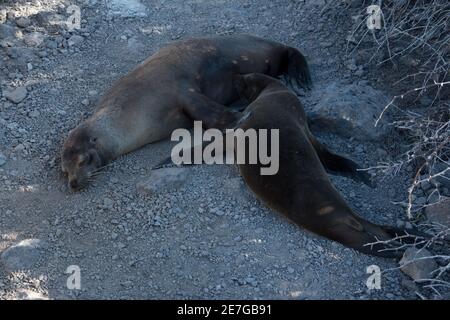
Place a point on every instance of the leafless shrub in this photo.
(415, 35)
(418, 30)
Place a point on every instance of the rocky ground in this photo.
(205, 236)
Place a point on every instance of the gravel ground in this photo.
(207, 238)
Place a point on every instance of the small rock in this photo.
(355, 3)
(351, 39)
(16, 95)
(108, 203)
(50, 20)
(23, 255)
(33, 39)
(75, 40)
(59, 232)
(23, 22)
(414, 265)
(237, 189)
(426, 185)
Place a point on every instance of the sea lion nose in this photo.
(73, 184)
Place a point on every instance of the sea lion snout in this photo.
(80, 159)
(78, 175)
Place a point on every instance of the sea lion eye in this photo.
(87, 159)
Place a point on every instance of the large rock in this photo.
(127, 8)
(350, 111)
(439, 213)
(23, 255)
(414, 265)
(15, 95)
(162, 180)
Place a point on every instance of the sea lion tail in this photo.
(298, 70)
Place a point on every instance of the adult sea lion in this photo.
(301, 189)
(184, 81)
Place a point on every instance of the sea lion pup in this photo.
(184, 81)
(301, 189)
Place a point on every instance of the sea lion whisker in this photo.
(96, 173)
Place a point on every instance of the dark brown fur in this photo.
(301, 190)
(185, 81)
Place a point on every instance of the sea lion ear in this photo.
(93, 140)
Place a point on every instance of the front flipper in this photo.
(213, 115)
(336, 164)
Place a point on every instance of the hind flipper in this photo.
(339, 165)
(369, 238)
